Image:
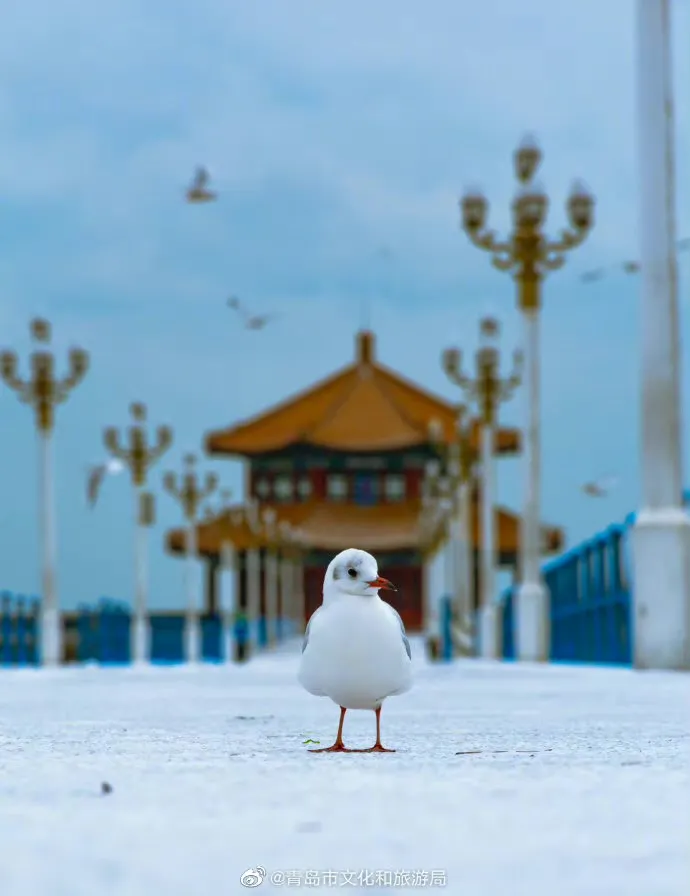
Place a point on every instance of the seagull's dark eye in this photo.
(352, 573)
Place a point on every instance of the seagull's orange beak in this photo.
(380, 582)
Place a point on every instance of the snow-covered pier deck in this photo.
(581, 786)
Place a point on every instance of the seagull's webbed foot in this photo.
(338, 747)
(378, 746)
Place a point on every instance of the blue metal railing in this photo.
(105, 635)
(101, 633)
(18, 629)
(590, 601)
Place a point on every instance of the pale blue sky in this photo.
(331, 129)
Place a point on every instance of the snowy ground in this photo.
(210, 777)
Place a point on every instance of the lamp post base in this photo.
(228, 639)
(192, 639)
(661, 591)
(50, 638)
(533, 628)
(140, 639)
(490, 646)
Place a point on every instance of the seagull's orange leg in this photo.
(378, 746)
(338, 746)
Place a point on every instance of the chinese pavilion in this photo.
(343, 461)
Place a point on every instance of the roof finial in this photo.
(365, 310)
(365, 344)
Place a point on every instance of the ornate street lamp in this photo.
(450, 479)
(190, 493)
(528, 255)
(139, 456)
(43, 391)
(488, 390)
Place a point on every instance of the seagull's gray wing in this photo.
(306, 633)
(405, 639)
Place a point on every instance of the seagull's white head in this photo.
(354, 572)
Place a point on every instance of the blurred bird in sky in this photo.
(599, 488)
(97, 474)
(628, 267)
(251, 321)
(198, 190)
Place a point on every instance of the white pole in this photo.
(271, 597)
(449, 564)
(51, 624)
(455, 583)
(435, 582)
(192, 629)
(468, 552)
(253, 598)
(228, 598)
(139, 634)
(488, 613)
(286, 597)
(464, 622)
(299, 599)
(661, 541)
(533, 619)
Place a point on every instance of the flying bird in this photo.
(97, 474)
(198, 190)
(355, 648)
(601, 487)
(591, 276)
(251, 321)
(628, 267)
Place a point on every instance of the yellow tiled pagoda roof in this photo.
(363, 407)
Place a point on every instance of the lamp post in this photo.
(457, 460)
(488, 389)
(270, 529)
(661, 536)
(253, 573)
(228, 565)
(288, 552)
(298, 601)
(190, 493)
(139, 457)
(436, 513)
(44, 391)
(528, 255)
(225, 577)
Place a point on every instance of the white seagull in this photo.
(97, 474)
(198, 190)
(251, 321)
(600, 488)
(355, 649)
